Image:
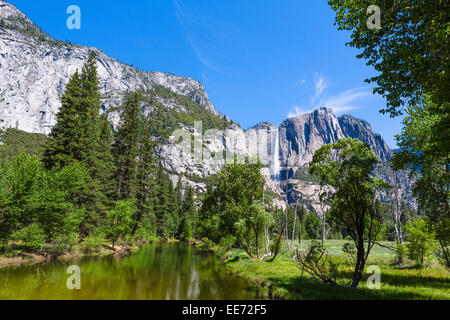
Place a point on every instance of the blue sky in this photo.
(259, 60)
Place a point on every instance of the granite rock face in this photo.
(301, 136)
(360, 129)
(34, 70)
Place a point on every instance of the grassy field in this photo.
(282, 279)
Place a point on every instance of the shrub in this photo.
(316, 261)
(401, 253)
(421, 243)
(32, 237)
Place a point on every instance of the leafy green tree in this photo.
(186, 227)
(256, 221)
(429, 170)
(31, 195)
(120, 220)
(228, 203)
(188, 210)
(421, 243)
(32, 236)
(410, 51)
(209, 227)
(346, 166)
(170, 225)
(313, 226)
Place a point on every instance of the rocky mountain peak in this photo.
(302, 135)
(34, 70)
(8, 10)
(264, 126)
(361, 129)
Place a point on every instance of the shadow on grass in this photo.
(406, 280)
(305, 288)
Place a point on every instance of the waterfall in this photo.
(275, 165)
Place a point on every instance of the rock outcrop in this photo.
(301, 136)
(34, 70)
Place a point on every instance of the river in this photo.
(155, 272)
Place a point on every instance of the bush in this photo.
(421, 243)
(32, 237)
(313, 226)
(119, 220)
(207, 244)
(92, 244)
(316, 261)
(401, 253)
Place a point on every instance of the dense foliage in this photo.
(14, 142)
(429, 170)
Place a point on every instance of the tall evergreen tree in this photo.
(188, 212)
(64, 145)
(76, 138)
(160, 199)
(179, 196)
(106, 166)
(126, 146)
(145, 173)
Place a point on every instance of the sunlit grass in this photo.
(282, 278)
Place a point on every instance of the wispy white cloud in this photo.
(348, 100)
(210, 37)
(320, 85)
(297, 111)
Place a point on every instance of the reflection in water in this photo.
(156, 272)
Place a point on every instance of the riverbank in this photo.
(24, 258)
(282, 279)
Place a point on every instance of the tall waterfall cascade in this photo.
(275, 166)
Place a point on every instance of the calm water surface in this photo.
(156, 272)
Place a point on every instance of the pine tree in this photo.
(106, 166)
(171, 218)
(64, 145)
(77, 136)
(179, 196)
(145, 173)
(160, 199)
(126, 146)
(188, 210)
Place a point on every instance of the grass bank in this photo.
(282, 278)
(19, 257)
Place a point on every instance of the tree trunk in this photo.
(136, 225)
(445, 253)
(293, 228)
(266, 237)
(360, 265)
(257, 244)
(286, 215)
(277, 247)
(324, 221)
(397, 213)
